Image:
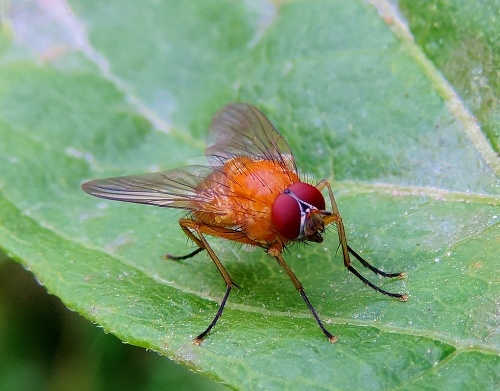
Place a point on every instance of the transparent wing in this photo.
(178, 188)
(240, 129)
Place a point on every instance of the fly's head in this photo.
(298, 213)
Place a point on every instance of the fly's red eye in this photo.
(308, 193)
(286, 212)
(286, 216)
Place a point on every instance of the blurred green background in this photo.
(45, 346)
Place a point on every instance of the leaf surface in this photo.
(117, 87)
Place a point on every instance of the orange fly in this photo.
(251, 194)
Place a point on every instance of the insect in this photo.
(251, 193)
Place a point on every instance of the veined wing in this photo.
(178, 188)
(240, 129)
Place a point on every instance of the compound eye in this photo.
(308, 193)
(286, 216)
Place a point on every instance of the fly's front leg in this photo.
(337, 219)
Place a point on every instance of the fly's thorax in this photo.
(258, 178)
(253, 186)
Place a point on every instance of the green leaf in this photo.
(463, 40)
(97, 89)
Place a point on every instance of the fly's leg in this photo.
(337, 219)
(190, 235)
(188, 226)
(275, 250)
(182, 257)
(229, 284)
(373, 268)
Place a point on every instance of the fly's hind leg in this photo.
(188, 226)
(190, 235)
